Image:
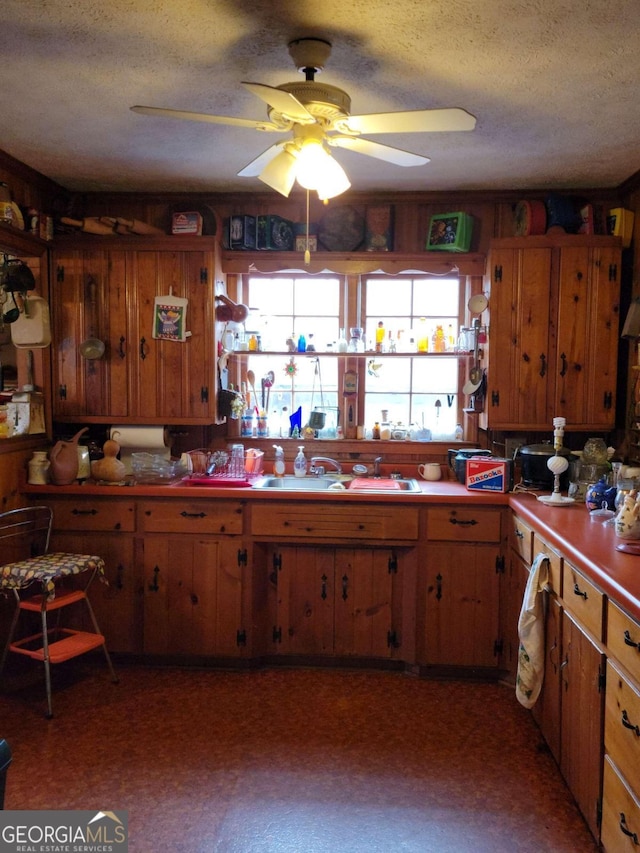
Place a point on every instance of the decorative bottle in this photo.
(38, 468)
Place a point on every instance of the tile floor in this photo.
(290, 761)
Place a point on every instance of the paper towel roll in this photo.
(154, 439)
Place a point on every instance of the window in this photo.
(421, 393)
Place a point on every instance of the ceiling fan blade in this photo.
(412, 121)
(255, 167)
(375, 149)
(189, 116)
(281, 101)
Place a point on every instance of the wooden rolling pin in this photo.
(90, 224)
(136, 226)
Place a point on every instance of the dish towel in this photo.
(531, 633)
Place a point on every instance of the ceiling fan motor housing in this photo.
(322, 100)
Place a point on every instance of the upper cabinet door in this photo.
(518, 374)
(553, 333)
(587, 339)
(141, 378)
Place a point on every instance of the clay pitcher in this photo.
(64, 460)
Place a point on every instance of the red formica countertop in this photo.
(588, 545)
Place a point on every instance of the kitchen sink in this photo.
(322, 484)
(296, 484)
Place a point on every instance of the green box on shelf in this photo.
(450, 232)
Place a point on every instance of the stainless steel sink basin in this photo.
(322, 484)
(295, 484)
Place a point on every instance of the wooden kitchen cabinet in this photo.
(338, 601)
(554, 305)
(621, 786)
(546, 711)
(462, 587)
(194, 562)
(108, 292)
(106, 528)
(582, 718)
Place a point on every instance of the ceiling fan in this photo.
(316, 116)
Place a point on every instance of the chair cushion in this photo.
(47, 569)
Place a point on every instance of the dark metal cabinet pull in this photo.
(629, 642)
(578, 591)
(623, 826)
(629, 725)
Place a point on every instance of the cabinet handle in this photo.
(578, 591)
(543, 364)
(438, 586)
(345, 587)
(629, 725)
(629, 642)
(563, 358)
(84, 512)
(607, 399)
(463, 522)
(323, 588)
(554, 646)
(119, 572)
(519, 534)
(154, 586)
(143, 355)
(186, 514)
(623, 827)
(121, 351)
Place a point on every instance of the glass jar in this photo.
(595, 452)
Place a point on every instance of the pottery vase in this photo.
(63, 457)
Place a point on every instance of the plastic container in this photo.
(278, 462)
(300, 463)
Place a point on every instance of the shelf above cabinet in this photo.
(353, 263)
(369, 355)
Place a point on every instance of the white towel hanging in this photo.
(530, 673)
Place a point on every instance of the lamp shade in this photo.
(280, 173)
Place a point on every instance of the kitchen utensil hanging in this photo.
(92, 348)
(475, 373)
(317, 418)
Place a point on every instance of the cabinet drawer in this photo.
(87, 514)
(521, 538)
(554, 564)
(463, 524)
(196, 516)
(622, 726)
(583, 599)
(325, 521)
(620, 813)
(623, 639)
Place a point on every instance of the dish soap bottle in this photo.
(278, 462)
(300, 463)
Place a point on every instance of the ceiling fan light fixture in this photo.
(334, 180)
(280, 173)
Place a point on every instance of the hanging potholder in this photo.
(169, 318)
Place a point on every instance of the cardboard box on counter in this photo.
(489, 474)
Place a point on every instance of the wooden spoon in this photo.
(251, 379)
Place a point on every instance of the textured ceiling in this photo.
(553, 83)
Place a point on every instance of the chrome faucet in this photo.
(376, 466)
(320, 469)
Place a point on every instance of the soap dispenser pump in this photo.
(300, 463)
(278, 462)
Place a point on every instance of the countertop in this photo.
(430, 492)
(590, 546)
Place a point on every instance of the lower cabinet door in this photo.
(462, 605)
(192, 596)
(546, 711)
(582, 708)
(117, 604)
